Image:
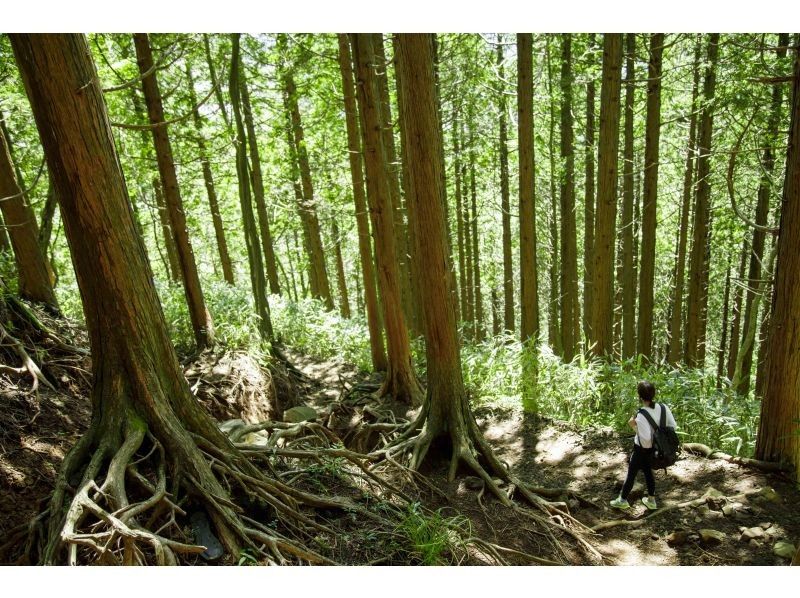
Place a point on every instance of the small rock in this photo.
(677, 538)
(752, 533)
(728, 510)
(784, 549)
(698, 519)
(711, 537)
(754, 543)
(714, 493)
(772, 532)
(473, 483)
(228, 426)
(765, 525)
(298, 414)
(654, 536)
(769, 494)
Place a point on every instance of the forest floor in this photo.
(737, 516)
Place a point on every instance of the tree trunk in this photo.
(676, 318)
(529, 326)
(469, 308)
(48, 212)
(650, 196)
(570, 305)
(401, 381)
(701, 250)
(341, 281)
(460, 235)
(627, 282)
(320, 287)
(724, 329)
(554, 309)
(216, 84)
(174, 270)
(362, 219)
(254, 258)
(480, 330)
(20, 221)
(208, 179)
(589, 192)
(778, 438)
(505, 205)
(762, 213)
(202, 325)
(605, 217)
(736, 320)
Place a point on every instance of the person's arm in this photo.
(632, 424)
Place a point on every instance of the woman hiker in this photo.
(643, 447)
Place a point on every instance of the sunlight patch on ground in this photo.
(623, 553)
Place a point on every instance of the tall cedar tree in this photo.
(625, 280)
(651, 155)
(401, 381)
(20, 221)
(606, 212)
(778, 437)
(529, 327)
(202, 325)
(505, 199)
(697, 301)
(589, 188)
(377, 350)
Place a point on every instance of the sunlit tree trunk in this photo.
(341, 281)
(554, 309)
(605, 217)
(724, 328)
(626, 282)
(589, 191)
(401, 381)
(701, 250)
(736, 319)
(202, 325)
(650, 196)
(460, 235)
(377, 350)
(778, 438)
(505, 205)
(480, 330)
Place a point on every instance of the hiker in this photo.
(643, 447)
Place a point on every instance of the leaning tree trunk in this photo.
(208, 179)
(605, 217)
(649, 211)
(144, 416)
(700, 255)
(377, 350)
(20, 221)
(778, 438)
(401, 381)
(202, 324)
(529, 308)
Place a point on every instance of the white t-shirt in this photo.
(644, 431)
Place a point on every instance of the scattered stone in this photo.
(698, 519)
(298, 414)
(769, 494)
(728, 510)
(772, 532)
(473, 483)
(677, 538)
(754, 543)
(752, 533)
(654, 536)
(784, 549)
(711, 537)
(765, 525)
(228, 426)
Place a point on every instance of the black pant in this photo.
(640, 459)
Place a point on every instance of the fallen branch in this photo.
(709, 453)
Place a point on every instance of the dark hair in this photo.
(646, 390)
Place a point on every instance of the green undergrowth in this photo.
(433, 538)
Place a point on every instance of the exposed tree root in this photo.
(647, 516)
(709, 453)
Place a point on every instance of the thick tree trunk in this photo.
(254, 258)
(605, 217)
(778, 438)
(626, 281)
(505, 205)
(650, 196)
(589, 193)
(570, 302)
(20, 221)
(761, 214)
(701, 250)
(676, 317)
(320, 286)
(529, 283)
(401, 381)
(202, 324)
(377, 350)
(208, 179)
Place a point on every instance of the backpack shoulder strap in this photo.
(649, 418)
(663, 419)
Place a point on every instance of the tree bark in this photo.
(20, 221)
(650, 197)
(570, 302)
(505, 205)
(627, 282)
(529, 283)
(778, 438)
(554, 309)
(736, 320)
(701, 250)
(341, 281)
(724, 328)
(605, 217)
(202, 324)
(676, 317)
(377, 350)
(401, 381)
(460, 235)
(589, 192)
(208, 179)
(479, 328)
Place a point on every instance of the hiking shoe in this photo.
(650, 502)
(620, 503)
